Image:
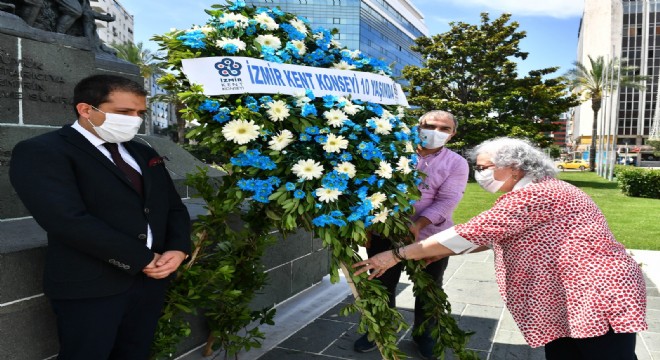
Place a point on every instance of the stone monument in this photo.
(46, 47)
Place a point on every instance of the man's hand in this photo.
(165, 264)
(152, 264)
(418, 225)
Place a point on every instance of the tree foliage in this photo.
(470, 71)
(591, 81)
(137, 54)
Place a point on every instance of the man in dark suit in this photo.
(117, 229)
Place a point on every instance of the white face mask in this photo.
(486, 179)
(432, 139)
(117, 128)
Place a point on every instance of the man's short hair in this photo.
(439, 113)
(94, 90)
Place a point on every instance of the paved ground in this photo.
(309, 326)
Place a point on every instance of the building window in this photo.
(336, 2)
(336, 20)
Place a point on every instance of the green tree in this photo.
(150, 64)
(137, 54)
(591, 81)
(469, 71)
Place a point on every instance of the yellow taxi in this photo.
(574, 164)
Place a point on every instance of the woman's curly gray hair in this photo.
(518, 154)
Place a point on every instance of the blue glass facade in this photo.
(375, 27)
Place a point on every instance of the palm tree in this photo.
(145, 59)
(592, 81)
(137, 54)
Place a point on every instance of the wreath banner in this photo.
(299, 152)
(237, 75)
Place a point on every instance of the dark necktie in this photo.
(133, 175)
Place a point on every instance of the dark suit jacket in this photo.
(96, 222)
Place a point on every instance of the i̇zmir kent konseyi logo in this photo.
(229, 70)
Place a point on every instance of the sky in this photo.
(551, 26)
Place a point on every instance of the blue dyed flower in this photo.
(209, 105)
(253, 158)
(239, 4)
(222, 116)
(308, 109)
(193, 39)
(299, 194)
(290, 186)
(312, 130)
(346, 156)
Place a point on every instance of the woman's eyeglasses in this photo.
(481, 168)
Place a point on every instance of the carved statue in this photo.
(89, 27)
(7, 7)
(70, 10)
(28, 10)
(72, 17)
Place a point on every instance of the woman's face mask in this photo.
(433, 139)
(117, 128)
(486, 179)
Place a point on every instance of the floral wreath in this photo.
(335, 165)
(344, 161)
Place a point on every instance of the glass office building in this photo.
(383, 29)
(628, 30)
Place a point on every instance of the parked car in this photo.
(574, 164)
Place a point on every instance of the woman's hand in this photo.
(378, 264)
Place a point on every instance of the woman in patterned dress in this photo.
(568, 284)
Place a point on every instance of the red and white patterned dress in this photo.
(559, 269)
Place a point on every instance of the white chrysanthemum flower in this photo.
(386, 114)
(240, 131)
(266, 21)
(400, 111)
(381, 216)
(299, 25)
(409, 147)
(335, 117)
(270, 41)
(236, 42)
(206, 29)
(327, 195)
(308, 169)
(240, 20)
(335, 43)
(335, 143)
(301, 98)
(352, 109)
(384, 170)
(377, 199)
(346, 168)
(277, 110)
(403, 165)
(383, 126)
(404, 128)
(280, 141)
(300, 46)
(343, 65)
